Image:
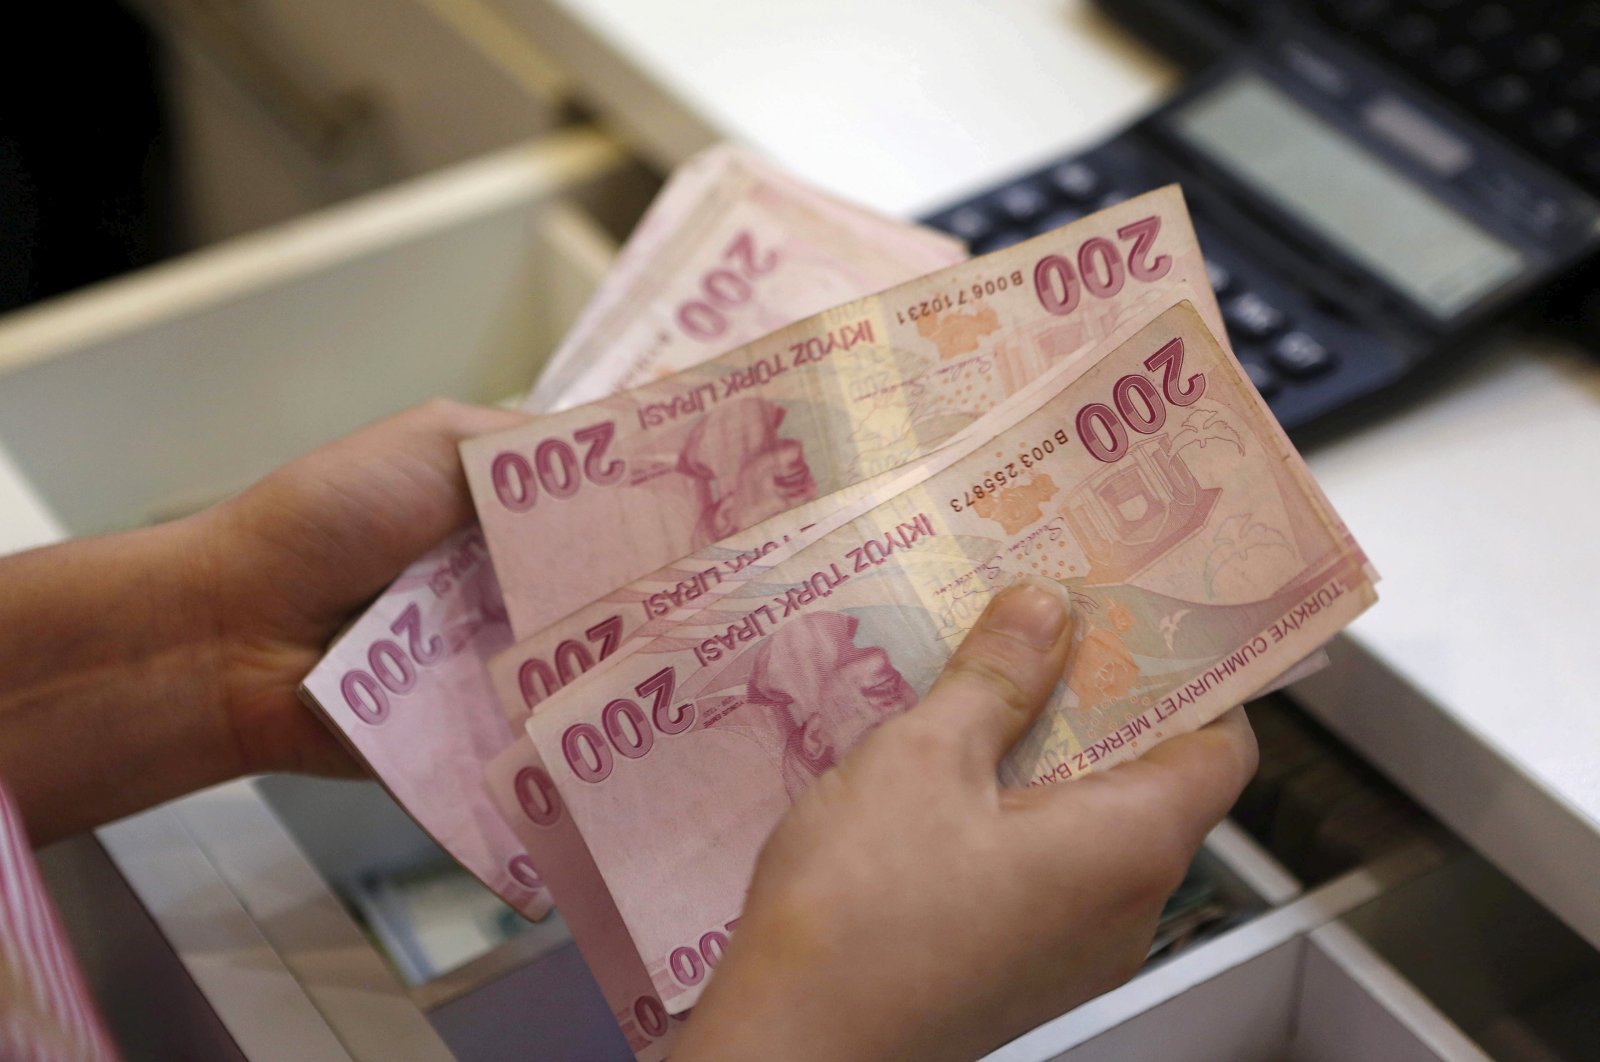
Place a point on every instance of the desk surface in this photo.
(1472, 681)
(902, 104)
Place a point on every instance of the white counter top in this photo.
(1479, 506)
(902, 105)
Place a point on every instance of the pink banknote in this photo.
(685, 288)
(1155, 485)
(579, 503)
(531, 670)
(398, 687)
(520, 788)
(406, 686)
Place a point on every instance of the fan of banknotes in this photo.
(781, 463)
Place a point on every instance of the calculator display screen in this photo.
(1426, 250)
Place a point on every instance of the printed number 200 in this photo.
(1100, 268)
(555, 468)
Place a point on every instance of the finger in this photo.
(1001, 675)
(1181, 788)
(369, 504)
(423, 443)
(409, 465)
(1199, 775)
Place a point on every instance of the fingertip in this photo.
(464, 420)
(1002, 674)
(1036, 610)
(1224, 747)
(1193, 779)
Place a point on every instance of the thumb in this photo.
(344, 520)
(1001, 675)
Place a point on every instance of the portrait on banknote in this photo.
(741, 469)
(825, 692)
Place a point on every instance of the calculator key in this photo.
(1220, 276)
(1489, 21)
(1459, 65)
(1075, 181)
(1539, 53)
(1584, 84)
(1110, 199)
(969, 223)
(1410, 34)
(1252, 317)
(1505, 94)
(1557, 128)
(1297, 354)
(1263, 378)
(1055, 219)
(1022, 202)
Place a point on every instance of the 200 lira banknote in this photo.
(576, 504)
(405, 686)
(690, 284)
(1155, 485)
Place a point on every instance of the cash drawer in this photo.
(231, 360)
(280, 107)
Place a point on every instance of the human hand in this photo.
(293, 556)
(908, 906)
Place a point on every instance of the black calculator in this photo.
(1359, 230)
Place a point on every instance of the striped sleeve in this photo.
(45, 1010)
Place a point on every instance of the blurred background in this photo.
(214, 118)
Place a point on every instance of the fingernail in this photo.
(1033, 609)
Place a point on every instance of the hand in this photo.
(910, 907)
(292, 557)
(142, 665)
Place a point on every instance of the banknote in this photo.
(405, 686)
(672, 301)
(1155, 485)
(561, 373)
(526, 673)
(530, 671)
(735, 248)
(535, 667)
(644, 613)
(520, 788)
(578, 503)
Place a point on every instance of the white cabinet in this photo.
(159, 392)
(280, 107)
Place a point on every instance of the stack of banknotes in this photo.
(781, 463)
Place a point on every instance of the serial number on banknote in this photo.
(1100, 268)
(1138, 405)
(1012, 471)
(975, 292)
